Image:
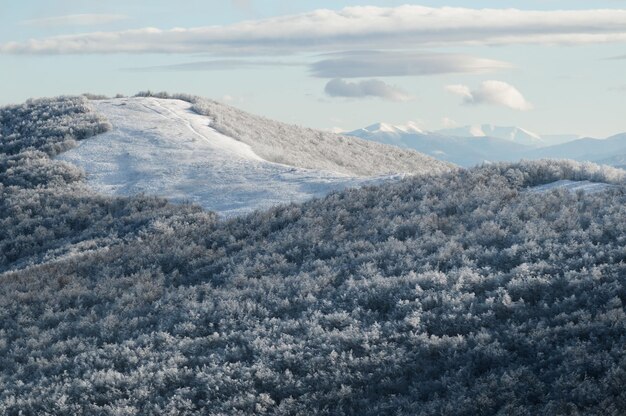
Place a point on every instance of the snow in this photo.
(161, 147)
(513, 134)
(409, 128)
(314, 149)
(572, 186)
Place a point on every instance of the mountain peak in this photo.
(409, 128)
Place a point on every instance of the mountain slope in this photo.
(308, 148)
(609, 150)
(455, 294)
(161, 147)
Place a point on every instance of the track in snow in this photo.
(572, 186)
(161, 147)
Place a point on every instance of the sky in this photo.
(550, 66)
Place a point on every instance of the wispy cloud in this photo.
(619, 88)
(360, 64)
(75, 20)
(494, 93)
(244, 5)
(217, 65)
(352, 28)
(366, 89)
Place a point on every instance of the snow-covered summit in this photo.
(161, 147)
(408, 128)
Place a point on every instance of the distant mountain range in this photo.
(512, 134)
(472, 145)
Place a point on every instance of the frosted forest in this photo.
(446, 293)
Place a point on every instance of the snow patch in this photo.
(572, 186)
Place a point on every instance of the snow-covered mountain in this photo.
(471, 145)
(609, 151)
(463, 151)
(556, 139)
(386, 128)
(513, 134)
(162, 147)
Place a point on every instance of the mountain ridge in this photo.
(162, 147)
(467, 146)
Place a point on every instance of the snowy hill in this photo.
(312, 149)
(161, 147)
(462, 293)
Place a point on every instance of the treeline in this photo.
(455, 294)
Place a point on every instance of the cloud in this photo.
(242, 5)
(364, 89)
(362, 64)
(217, 65)
(448, 123)
(494, 93)
(351, 28)
(619, 88)
(75, 20)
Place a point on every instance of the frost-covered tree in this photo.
(457, 293)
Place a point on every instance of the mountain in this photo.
(513, 134)
(313, 149)
(610, 151)
(463, 151)
(470, 292)
(380, 128)
(556, 139)
(472, 145)
(163, 147)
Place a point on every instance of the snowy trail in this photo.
(572, 186)
(161, 147)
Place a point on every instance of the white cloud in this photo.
(494, 93)
(448, 123)
(352, 28)
(618, 88)
(75, 20)
(365, 89)
(462, 90)
(360, 64)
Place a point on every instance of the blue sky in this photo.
(546, 71)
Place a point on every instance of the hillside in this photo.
(459, 293)
(161, 147)
(309, 148)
